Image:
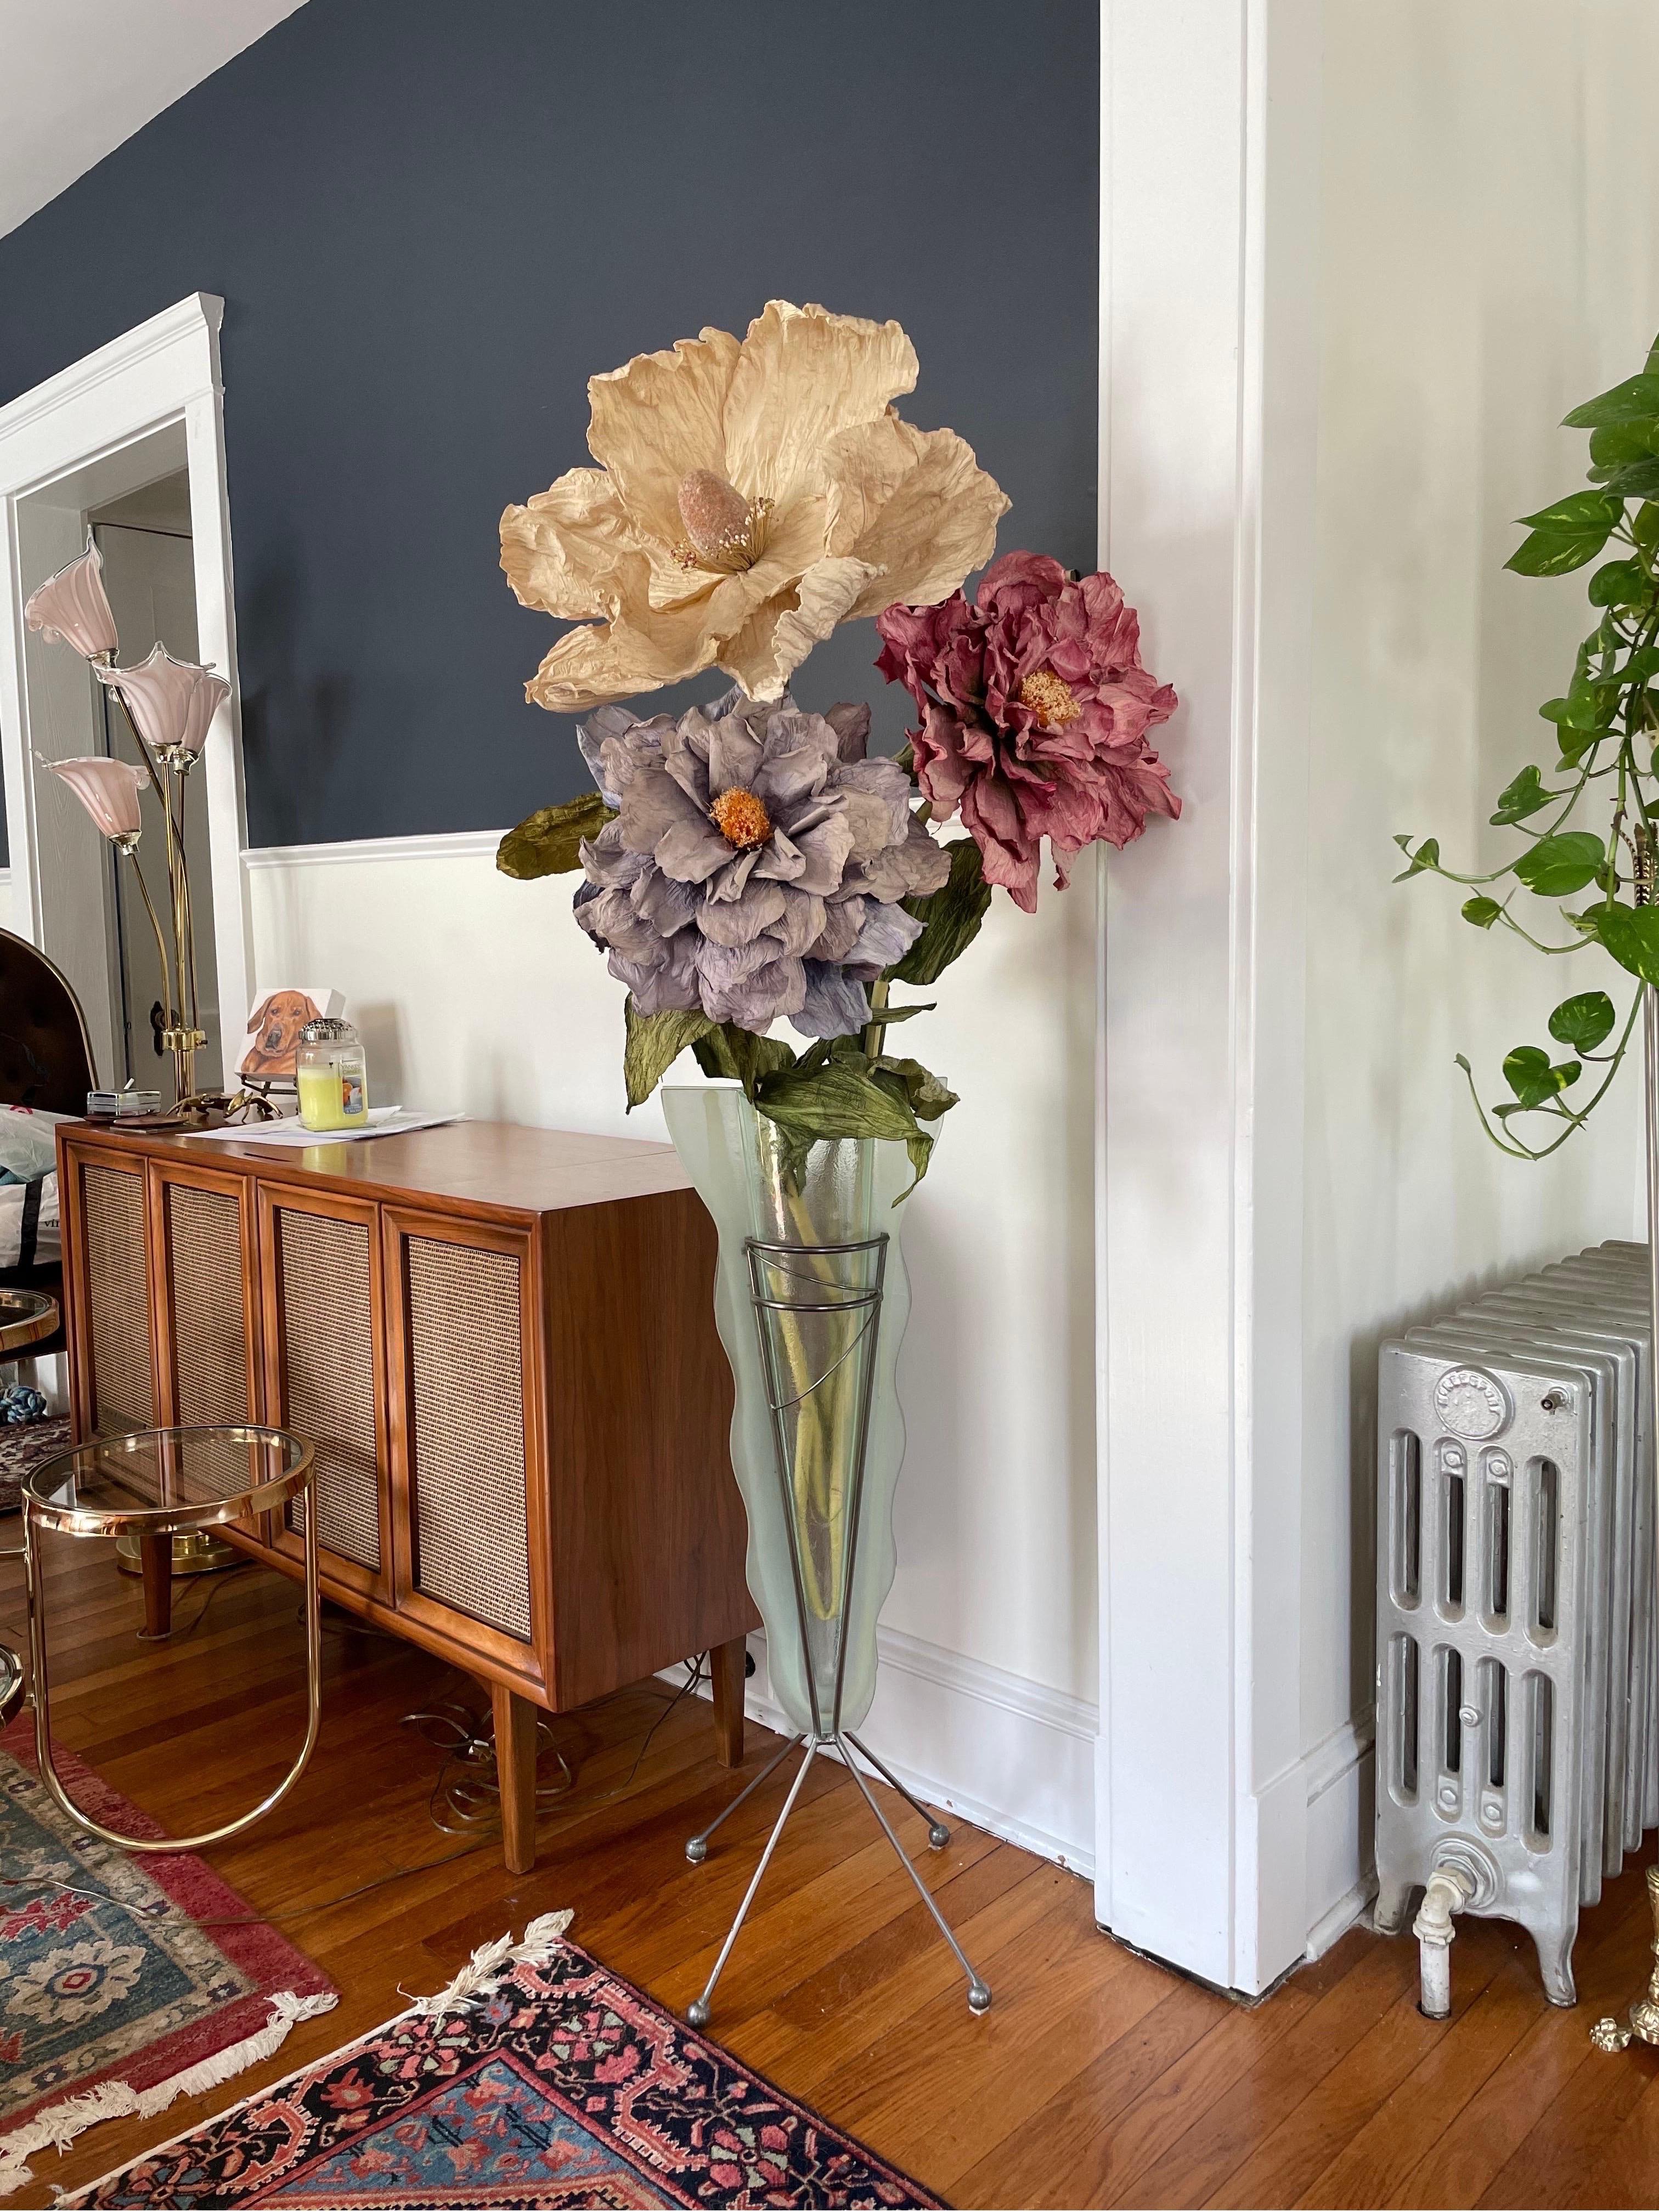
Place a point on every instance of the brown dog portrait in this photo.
(273, 1030)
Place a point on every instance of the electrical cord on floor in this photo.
(695, 1675)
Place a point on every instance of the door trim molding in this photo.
(1209, 390)
(163, 373)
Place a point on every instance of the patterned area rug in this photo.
(119, 2000)
(25, 1446)
(536, 2079)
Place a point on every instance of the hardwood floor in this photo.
(1097, 2077)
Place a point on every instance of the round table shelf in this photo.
(27, 1318)
(154, 1484)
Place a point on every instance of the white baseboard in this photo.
(1341, 1776)
(1015, 1758)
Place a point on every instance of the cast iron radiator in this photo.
(1517, 1723)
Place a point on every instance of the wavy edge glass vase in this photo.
(810, 1300)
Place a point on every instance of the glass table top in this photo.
(26, 1317)
(153, 1481)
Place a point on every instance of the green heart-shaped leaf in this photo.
(1582, 1022)
(1634, 400)
(1557, 867)
(1522, 798)
(1529, 1074)
(1565, 536)
(1630, 934)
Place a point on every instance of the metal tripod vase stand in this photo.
(810, 1300)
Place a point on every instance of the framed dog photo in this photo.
(271, 1050)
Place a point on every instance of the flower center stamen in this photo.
(725, 531)
(1050, 698)
(741, 817)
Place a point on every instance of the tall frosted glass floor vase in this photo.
(811, 1301)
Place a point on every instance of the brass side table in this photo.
(153, 1483)
(27, 1318)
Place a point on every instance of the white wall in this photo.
(1490, 255)
(478, 994)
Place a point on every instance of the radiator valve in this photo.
(1451, 1889)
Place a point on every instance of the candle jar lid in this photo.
(328, 1028)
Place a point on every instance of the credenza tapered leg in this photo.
(726, 1662)
(156, 1560)
(515, 1767)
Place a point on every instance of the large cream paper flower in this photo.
(749, 497)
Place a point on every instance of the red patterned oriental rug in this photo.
(118, 1992)
(536, 2079)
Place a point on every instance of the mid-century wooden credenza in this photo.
(501, 1342)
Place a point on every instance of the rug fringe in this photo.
(58, 2125)
(491, 1960)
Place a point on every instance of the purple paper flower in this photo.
(757, 862)
(1035, 710)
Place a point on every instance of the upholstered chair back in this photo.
(46, 1055)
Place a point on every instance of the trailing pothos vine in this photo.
(1606, 727)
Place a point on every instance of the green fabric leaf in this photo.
(1522, 798)
(1582, 1022)
(951, 917)
(654, 1042)
(837, 1099)
(1631, 933)
(1565, 536)
(1618, 583)
(1634, 400)
(738, 1054)
(888, 1015)
(927, 1097)
(1557, 867)
(548, 842)
(1527, 1072)
(1482, 912)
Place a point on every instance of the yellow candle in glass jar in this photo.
(331, 1077)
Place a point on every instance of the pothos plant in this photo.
(1587, 818)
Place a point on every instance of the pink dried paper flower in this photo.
(71, 607)
(109, 790)
(1034, 709)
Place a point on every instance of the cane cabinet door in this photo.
(204, 1273)
(105, 1214)
(463, 1374)
(324, 1374)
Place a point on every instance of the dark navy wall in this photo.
(432, 220)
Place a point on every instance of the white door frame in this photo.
(1209, 390)
(164, 373)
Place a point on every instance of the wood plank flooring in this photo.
(1097, 2077)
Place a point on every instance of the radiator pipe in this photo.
(1450, 1891)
